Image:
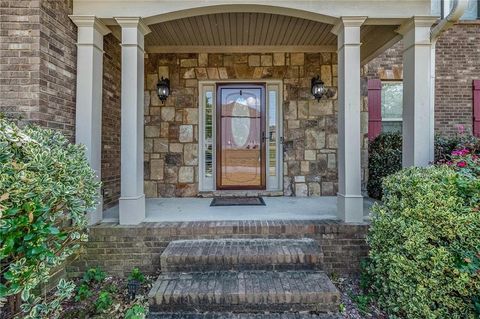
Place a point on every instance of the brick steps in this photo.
(250, 291)
(230, 315)
(241, 254)
(243, 278)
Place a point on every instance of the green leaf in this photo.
(53, 230)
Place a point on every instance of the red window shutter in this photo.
(374, 108)
(476, 108)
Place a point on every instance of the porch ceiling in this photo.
(259, 32)
(240, 29)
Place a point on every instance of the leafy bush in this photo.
(94, 275)
(103, 302)
(385, 158)
(444, 146)
(136, 312)
(137, 275)
(425, 244)
(46, 188)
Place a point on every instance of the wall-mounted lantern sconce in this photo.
(163, 89)
(318, 89)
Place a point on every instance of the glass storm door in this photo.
(240, 136)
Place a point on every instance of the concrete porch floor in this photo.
(277, 208)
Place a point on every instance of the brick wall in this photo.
(457, 65)
(119, 249)
(111, 113)
(38, 57)
(310, 127)
(19, 58)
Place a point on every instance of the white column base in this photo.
(350, 208)
(96, 215)
(131, 210)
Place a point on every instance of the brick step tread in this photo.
(229, 315)
(241, 254)
(244, 291)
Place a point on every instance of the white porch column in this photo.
(418, 113)
(132, 200)
(88, 129)
(349, 197)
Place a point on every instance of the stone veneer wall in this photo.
(457, 65)
(111, 120)
(119, 249)
(38, 63)
(171, 130)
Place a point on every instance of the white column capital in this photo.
(85, 21)
(345, 22)
(133, 22)
(416, 22)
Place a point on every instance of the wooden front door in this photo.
(240, 136)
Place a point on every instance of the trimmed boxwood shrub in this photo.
(46, 189)
(385, 158)
(425, 243)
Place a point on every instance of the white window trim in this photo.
(207, 185)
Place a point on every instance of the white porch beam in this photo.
(349, 197)
(132, 199)
(88, 130)
(418, 113)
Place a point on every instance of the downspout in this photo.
(458, 9)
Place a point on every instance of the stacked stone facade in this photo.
(38, 63)
(171, 130)
(457, 65)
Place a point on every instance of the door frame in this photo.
(218, 158)
(207, 182)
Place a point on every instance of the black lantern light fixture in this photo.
(163, 89)
(318, 89)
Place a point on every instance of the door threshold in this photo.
(240, 193)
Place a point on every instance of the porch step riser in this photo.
(241, 254)
(244, 292)
(242, 316)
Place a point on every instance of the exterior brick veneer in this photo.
(310, 127)
(120, 248)
(38, 63)
(111, 118)
(457, 65)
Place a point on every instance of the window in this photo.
(442, 8)
(207, 131)
(392, 106)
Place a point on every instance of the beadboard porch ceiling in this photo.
(238, 32)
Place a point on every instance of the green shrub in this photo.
(445, 145)
(103, 302)
(46, 189)
(94, 275)
(137, 275)
(423, 240)
(385, 158)
(136, 312)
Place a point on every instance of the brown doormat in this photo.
(237, 201)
